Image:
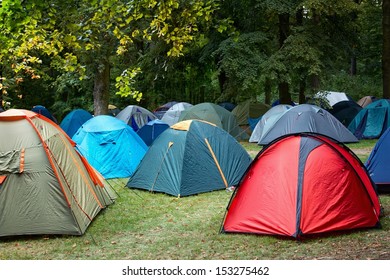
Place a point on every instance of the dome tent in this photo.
(135, 116)
(217, 115)
(303, 184)
(267, 120)
(372, 121)
(244, 111)
(150, 131)
(307, 118)
(378, 163)
(173, 114)
(46, 187)
(73, 120)
(110, 145)
(191, 157)
(160, 111)
(42, 110)
(345, 111)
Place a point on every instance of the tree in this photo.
(85, 37)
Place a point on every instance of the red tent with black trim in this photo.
(303, 184)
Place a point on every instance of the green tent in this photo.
(247, 110)
(217, 115)
(46, 187)
(191, 157)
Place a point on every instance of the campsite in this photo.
(194, 130)
(144, 225)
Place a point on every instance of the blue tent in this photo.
(151, 131)
(378, 163)
(73, 120)
(42, 110)
(227, 105)
(110, 145)
(372, 121)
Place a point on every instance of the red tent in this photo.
(303, 184)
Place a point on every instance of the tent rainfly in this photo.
(46, 187)
(300, 185)
(191, 157)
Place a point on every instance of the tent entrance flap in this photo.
(170, 144)
(12, 161)
(216, 163)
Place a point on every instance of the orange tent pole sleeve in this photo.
(217, 163)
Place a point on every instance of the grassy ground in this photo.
(142, 225)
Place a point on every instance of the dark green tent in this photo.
(191, 157)
(249, 109)
(217, 115)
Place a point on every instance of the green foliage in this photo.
(125, 83)
(183, 49)
(355, 86)
(241, 59)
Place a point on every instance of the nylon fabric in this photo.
(303, 184)
(187, 166)
(307, 118)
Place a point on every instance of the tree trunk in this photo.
(353, 70)
(1, 90)
(302, 88)
(101, 93)
(284, 29)
(267, 91)
(315, 83)
(386, 48)
(302, 83)
(315, 79)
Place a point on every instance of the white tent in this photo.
(332, 97)
(172, 115)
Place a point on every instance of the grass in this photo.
(143, 225)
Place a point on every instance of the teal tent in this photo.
(372, 121)
(73, 120)
(217, 115)
(110, 145)
(191, 157)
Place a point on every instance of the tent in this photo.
(378, 163)
(249, 110)
(303, 184)
(366, 100)
(330, 98)
(215, 114)
(267, 120)
(372, 120)
(73, 120)
(135, 116)
(173, 114)
(42, 110)
(345, 111)
(110, 145)
(46, 187)
(151, 131)
(191, 157)
(227, 105)
(160, 111)
(307, 118)
(113, 110)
